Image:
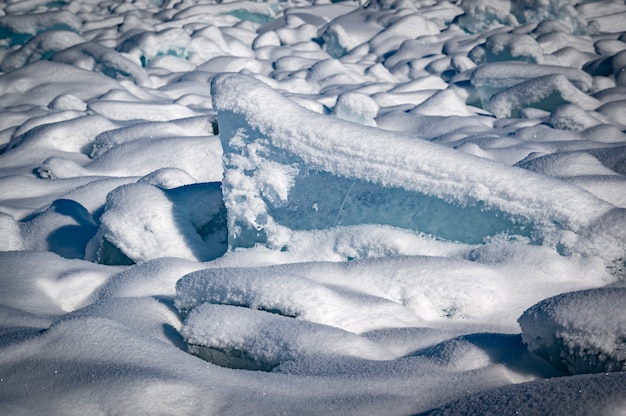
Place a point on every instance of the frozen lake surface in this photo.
(395, 207)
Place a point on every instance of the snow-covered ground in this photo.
(387, 208)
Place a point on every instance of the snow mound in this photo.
(579, 332)
(566, 165)
(64, 228)
(11, 238)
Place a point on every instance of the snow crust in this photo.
(388, 207)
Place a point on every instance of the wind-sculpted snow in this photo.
(383, 207)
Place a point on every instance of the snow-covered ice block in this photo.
(243, 10)
(579, 332)
(199, 157)
(67, 102)
(507, 47)
(481, 15)
(563, 11)
(67, 130)
(35, 89)
(546, 93)
(239, 337)
(39, 47)
(368, 294)
(337, 41)
(95, 57)
(491, 78)
(615, 110)
(129, 111)
(356, 107)
(286, 291)
(597, 394)
(158, 276)
(295, 31)
(611, 22)
(348, 30)
(185, 127)
(572, 117)
(142, 222)
(443, 103)
(407, 27)
(146, 46)
(284, 172)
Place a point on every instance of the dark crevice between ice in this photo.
(231, 358)
(110, 255)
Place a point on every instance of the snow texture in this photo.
(388, 207)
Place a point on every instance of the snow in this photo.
(386, 207)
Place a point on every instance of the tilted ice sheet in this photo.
(283, 171)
